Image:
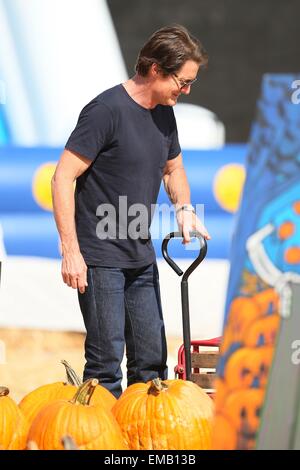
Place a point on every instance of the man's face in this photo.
(169, 88)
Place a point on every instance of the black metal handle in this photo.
(196, 262)
(185, 291)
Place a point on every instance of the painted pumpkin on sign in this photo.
(263, 332)
(224, 435)
(243, 312)
(248, 368)
(267, 301)
(243, 410)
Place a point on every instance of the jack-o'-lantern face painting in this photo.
(267, 301)
(242, 313)
(248, 368)
(263, 332)
(237, 424)
(244, 409)
(252, 322)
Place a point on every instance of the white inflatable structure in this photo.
(2, 249)
(55, 56)
(198, 128)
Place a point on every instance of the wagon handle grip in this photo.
(196, 262)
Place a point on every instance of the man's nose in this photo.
(186, 89)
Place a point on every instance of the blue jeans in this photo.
(122, 306)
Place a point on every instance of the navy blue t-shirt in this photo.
(129, 146)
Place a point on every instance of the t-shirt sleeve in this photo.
(93, 130)
(174, 149)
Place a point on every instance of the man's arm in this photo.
(69, 168)
(177, 187)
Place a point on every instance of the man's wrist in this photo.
(69, 249)
(185, 207)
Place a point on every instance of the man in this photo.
(125, 142)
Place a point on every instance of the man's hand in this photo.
(74, 271)
(188, 222)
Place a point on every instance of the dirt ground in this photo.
(30, 358)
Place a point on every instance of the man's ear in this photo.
(154, 70)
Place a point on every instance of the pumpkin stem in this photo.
(4, 391)
(85, 392)
(72, 377)
(68, 443)
(157, 386)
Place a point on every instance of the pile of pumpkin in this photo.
(159, 415)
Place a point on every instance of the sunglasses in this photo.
(183, 83)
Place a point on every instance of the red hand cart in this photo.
(194, 363)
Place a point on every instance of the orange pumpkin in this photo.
(14, 426)
(67, 442)
(34, 401)
(92, 427)
(168, 415)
